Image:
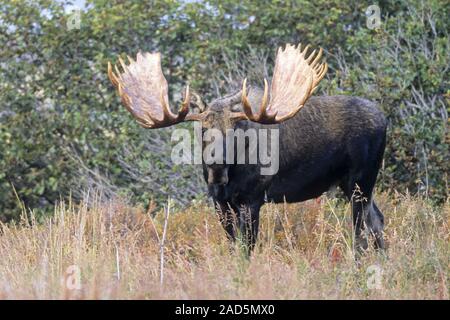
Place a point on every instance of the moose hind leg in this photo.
(375, 222)
(372, 224)
(359, 213)
(367, 218)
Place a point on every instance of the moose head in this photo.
(144, 92)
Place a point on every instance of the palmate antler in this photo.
(295, 78)
(144, 92)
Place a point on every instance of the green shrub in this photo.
(63, 130)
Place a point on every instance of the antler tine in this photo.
(305, 50)
(184, 108)
(320, 71)
(117, 72)
(245, 103)
(124, 66)
(264, 102)
(167, 113)
(324, 71)
(264, 117)
(319, 55)
(112, 76)
(310, 57)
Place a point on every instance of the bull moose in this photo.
(324, 141)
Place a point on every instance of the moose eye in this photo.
(236, 107)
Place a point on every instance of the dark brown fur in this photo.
(333, 140)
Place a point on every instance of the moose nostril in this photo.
(220, 182)
(218, 178)
(217, 175)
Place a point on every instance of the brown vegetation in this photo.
(304, 251)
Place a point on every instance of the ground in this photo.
(110, 250)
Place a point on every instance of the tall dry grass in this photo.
(304, 251)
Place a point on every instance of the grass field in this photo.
(112, 251)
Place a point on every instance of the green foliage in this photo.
(63, 129)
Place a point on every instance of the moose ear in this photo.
(197, 104)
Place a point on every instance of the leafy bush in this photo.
(63, 130)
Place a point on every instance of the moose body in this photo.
(323, 141)
(332, 141)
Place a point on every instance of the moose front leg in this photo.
(242, 218)
(228, 218)
(249, 224)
